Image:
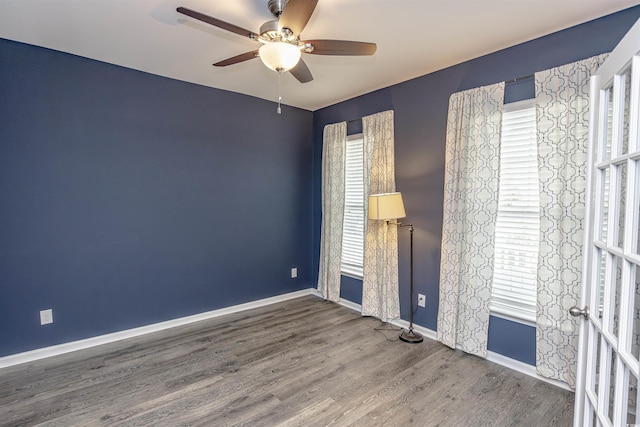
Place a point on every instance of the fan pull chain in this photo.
(279, 110)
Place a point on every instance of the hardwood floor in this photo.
(303, 362)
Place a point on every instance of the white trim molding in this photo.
(524, 368)
(507, 362)
(42, 353)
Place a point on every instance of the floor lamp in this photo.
(388, 207)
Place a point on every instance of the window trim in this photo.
(512, 318)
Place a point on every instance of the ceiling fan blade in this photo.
(341, 47)
(301, 72)
(296, 14)
(217, 23)
(238, 58)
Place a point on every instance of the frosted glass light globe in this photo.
(279, 56)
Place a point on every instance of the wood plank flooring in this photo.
(304, 362)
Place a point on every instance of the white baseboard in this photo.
(507, 362)
(343, 302)
(41, 353)
(524, 368)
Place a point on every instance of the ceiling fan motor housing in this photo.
(269, 30)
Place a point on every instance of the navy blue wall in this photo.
(128, 199)
(420, 125)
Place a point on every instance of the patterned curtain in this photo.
(470, 209)
(562, 110)
(333, 165)
(380, 294)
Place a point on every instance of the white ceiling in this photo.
(414, 37)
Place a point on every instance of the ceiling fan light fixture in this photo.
(280, 39)
(279, 56)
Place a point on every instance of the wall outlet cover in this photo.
(421, 300)
(46, 316)
(294, 272)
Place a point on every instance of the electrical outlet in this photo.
(294, 272)
(421, 300)
(46, 316)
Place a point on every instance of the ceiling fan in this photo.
(280, 38)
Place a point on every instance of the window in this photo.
(518, 223)
(353, 227)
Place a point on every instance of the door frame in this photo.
(590, 334)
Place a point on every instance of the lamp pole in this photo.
(410, 336)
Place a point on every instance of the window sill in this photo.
(514, 319)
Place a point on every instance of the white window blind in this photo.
(518, 222)
(353, 227)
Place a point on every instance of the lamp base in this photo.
(411, 337)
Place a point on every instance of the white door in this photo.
(608, 367)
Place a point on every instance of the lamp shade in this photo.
(386, 206)
(279, 56)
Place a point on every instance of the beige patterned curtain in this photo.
(562, 114)
(380, 294)
(470, 209)
(333, 165)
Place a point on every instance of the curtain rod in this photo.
(353, 120)
(528, 76)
